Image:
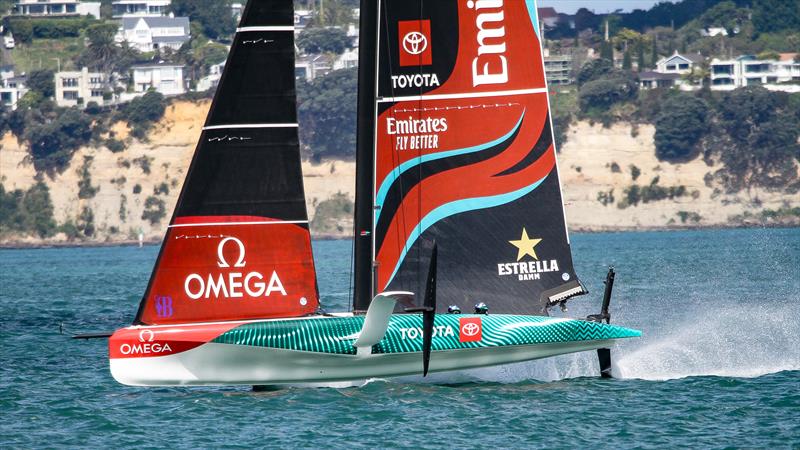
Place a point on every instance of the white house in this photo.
(139, 8)
(212, 79)
(346, 60)
(80, 88)
(38, 8)
(782, 74)
(301, 18)
(669, 72)
(164, 78)
(12, 87)
(311, 66)
(680, 64)
(236, 11)
(147, 34)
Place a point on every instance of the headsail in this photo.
(464, 156)
(238, 245)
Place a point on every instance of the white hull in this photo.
(223, 364)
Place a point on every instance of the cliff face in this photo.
(595, 165)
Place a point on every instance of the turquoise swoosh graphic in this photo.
(402, 168)
(456, 207)
(531, 4)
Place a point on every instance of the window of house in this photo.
(95, 80)
(69, 82)
(97, 93)
(683, 66)
(70, 95)
(671, 67)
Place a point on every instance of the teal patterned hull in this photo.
(320, 349)
(336, 335)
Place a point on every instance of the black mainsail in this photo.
(461, 149)
(238, 244)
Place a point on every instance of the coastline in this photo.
(37, 244)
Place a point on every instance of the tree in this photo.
(43, 82)
(680, 126)
(144, 111)
(326, 109)
(654, 53)
(602, 93)
(214, 15)
(594, 69)
(607, 51)
(53, 143)
(640, 57)
(771, 16)
(323, 40)
(762, 138)
(627, 64)
(725, 15)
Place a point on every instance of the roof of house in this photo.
(649, 75)
(129, 23)
(547, 13)
(692, 57)
(786, 57)
(157, 66)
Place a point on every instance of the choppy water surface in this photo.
(719, 364)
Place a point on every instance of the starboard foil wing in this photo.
(238, 245)
(463, 155)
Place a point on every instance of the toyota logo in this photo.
(415, 43)
(470, 329)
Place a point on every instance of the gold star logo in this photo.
(525, 246)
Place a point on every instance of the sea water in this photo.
(718, 365)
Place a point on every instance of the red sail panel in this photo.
(238, 246)
(465, 155)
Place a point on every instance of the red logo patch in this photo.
(470, 329)
(414, 38)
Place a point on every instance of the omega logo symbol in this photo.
(221, 262)
(146, 336)
(470, 329)
(415, 43)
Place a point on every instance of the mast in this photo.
(365, 154)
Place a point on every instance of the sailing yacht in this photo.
(460, 242)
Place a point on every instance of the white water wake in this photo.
(741, 341)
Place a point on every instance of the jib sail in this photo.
(464, 156)
(238, 244)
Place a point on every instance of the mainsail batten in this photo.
(464, 156)
(238, 245)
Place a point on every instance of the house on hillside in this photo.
(164, 78)
(680, 64)
(148, 34)
(657, 80)
(139, 8)
(81, 88)
(346, 60)
(670, 72)
(557, 68)
(782, 74)
(548, 17)
(12, 87)
(41, 8)
(309, 67)
(301, 18)
(212, 79)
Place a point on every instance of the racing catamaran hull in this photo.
(320, 349)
